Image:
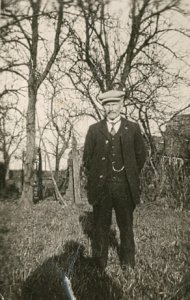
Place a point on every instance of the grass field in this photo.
(39, 244)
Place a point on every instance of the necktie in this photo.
(112, 131)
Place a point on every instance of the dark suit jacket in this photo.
(97, 153)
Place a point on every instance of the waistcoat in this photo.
(116, 171)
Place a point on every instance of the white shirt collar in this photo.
(117, 123)
(116, 120)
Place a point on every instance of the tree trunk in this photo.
(27, 193)
(57, 170)
(40, 175)
(2, 175)
(57, 161)
(7, 163)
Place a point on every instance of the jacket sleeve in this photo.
(89, 146)
(140, 151)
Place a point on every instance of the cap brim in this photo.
(111, 100)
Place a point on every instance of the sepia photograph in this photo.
(94, 150)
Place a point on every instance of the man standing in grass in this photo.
(114, 155)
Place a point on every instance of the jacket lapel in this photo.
(125, 136)
(124, 128)
(104, 129)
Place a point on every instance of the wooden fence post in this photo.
(76, 171)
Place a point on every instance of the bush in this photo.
(167, 180)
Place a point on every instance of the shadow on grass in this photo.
(86, 221)
(88, 282)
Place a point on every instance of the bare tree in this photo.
(59, 139)
(12, 136)
(134, 55)
(25, 38)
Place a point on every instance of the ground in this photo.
(39, 245)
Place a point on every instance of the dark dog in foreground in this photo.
(50, 282)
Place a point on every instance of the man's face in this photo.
(113, 109)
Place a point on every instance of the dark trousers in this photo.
(117, 197)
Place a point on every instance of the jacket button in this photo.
(103, 158)
(106, 141)
(101, 176)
